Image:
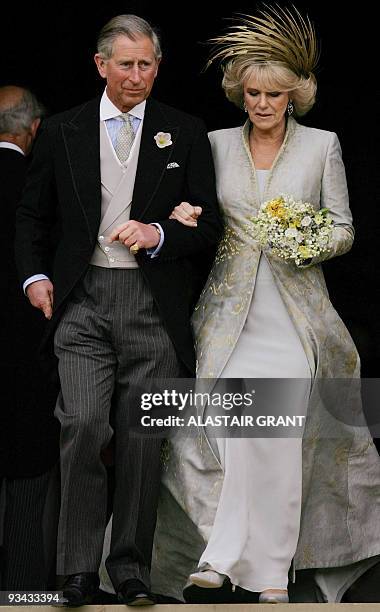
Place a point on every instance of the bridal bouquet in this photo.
(293, 230)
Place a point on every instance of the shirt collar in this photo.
(109, 111)
(10, 145)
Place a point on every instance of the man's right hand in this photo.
(40, 294)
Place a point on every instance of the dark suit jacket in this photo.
(64, 183)
(28, 429)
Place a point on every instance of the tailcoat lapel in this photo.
(152, 160)
(81, 139)
(82, 143)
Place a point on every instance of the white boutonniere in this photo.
(163, 139)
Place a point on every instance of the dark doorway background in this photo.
(48, 47)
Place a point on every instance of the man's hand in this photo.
(133, 232)
(186, 214)
(40, 294)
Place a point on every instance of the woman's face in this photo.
(266, 109)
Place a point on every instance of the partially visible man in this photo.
(118, 295)
(28, 431)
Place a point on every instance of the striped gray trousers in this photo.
(109, 338)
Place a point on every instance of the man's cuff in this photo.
(33, 279)
(154, 251)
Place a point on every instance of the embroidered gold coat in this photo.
(341, 468)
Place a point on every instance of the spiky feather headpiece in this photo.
(275, 34)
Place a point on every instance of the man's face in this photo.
(130, 72)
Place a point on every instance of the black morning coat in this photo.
(64, 186)
(29, 433)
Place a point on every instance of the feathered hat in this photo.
(273, 35)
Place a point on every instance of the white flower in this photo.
(163, 139)
(306, 221)
(291, 232)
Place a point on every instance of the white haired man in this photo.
(29, 447)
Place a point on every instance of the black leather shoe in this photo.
(79, 589)
(133, 592)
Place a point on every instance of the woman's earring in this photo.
(290, 107)
(245, 108)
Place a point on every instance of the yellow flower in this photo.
(276, 208)
(319, 219)
(304, 252)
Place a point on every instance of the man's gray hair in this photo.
(20, 116)
(126, 25)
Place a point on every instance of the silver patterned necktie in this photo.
(125, 138)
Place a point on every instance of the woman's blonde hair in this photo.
(269, 76)
(278, 47)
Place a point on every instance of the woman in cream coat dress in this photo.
(251, 507)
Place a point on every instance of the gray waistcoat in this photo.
(117, 183)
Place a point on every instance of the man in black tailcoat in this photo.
(28, 430)
(118, 295)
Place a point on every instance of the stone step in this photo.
(301, 607)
